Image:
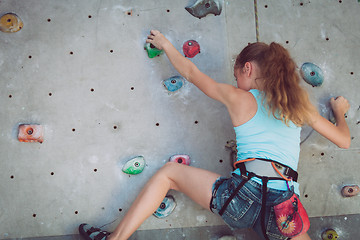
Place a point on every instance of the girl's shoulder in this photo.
(243, 107)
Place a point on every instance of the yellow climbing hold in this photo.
(10, 23)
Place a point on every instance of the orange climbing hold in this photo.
(10, 23)
(31, 133)
(350, 191)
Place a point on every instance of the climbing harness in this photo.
(291, 217)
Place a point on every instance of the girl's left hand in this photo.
(157, 39)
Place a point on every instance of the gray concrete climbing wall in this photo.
(79, 69)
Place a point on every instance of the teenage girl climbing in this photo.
(267, 109)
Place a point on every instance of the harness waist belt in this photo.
(266, 167)
(262, 168)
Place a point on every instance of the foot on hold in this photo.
(31, 133)
(191, 48)
(312, 74)
(201, 8)
(329, 234)
(182, 158)
(91, 233)
(174, 83)
(10, 23)
(166, 207)
(350, 191)
(152, 50)
(134, 166)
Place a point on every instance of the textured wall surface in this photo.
(79, 68)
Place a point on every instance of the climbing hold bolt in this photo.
(181, 158)
(329, 234)
(10, 23)
(312, 74)
(166, 207)
(134, 166)
(174, 83)
(152, 50)
(350, 191)
(201, 8)
(191, 48)
(31, 133)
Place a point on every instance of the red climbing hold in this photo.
(191, 48)
(31, 133)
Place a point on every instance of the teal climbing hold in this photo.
(312, 74)
(174, 83)
(166, 207)
(152, 50)
(134, 166)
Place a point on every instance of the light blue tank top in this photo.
(264, 136)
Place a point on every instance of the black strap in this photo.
(101, 236)
(245, 179)
(263, 206)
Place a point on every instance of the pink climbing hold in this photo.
(182, 159)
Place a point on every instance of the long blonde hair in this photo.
(286, 99)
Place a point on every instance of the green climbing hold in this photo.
(134, 166)
(152, 50)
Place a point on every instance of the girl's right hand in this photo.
(157, 39)
(339, 105)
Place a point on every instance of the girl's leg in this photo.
(194, 182)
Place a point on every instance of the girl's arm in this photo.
(218, 91)
(339, 133)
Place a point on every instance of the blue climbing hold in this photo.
(312, 74)
(166, 207)
(174, 83)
